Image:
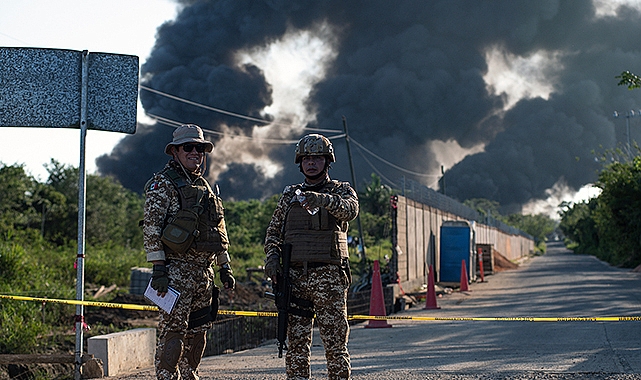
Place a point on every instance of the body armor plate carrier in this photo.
(200, 223)
(318, 238)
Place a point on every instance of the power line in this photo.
(391, 164)
(175, 123)
(391, 183)
(229, 113)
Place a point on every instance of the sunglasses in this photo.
(200, 148)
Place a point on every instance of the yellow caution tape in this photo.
(511, 319)
(84, 303)
(350, 317)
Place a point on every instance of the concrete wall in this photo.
(125, 351)
(418, 236)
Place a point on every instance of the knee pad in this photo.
(197, 348)
(172, 349)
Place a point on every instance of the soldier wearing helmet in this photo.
(319, 269)
(184, 235)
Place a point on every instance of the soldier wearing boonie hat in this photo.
(189, 133)
(184, 235)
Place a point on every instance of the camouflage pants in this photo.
(326, 287)
(180, 349)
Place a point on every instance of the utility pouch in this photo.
(180, 232)
(206, 314)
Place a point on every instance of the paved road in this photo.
(557, 284)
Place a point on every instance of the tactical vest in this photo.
(199, 203)
(319, 238)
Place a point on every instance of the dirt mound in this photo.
(247, 296)
(122, 318)
(501, 263)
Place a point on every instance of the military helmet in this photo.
(314, 145)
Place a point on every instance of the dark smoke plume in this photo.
(406, 73)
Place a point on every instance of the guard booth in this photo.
(457, 244)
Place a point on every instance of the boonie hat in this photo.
(189, 133)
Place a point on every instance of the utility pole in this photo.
(351, 167)
(627, 116)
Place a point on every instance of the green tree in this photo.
(579, 227)
(629, 79)
(247, 220)
(539, 226)
(112, 211)
(484, 207)
(618, 212)
(16, 188)
(609, 226)
(375, 198)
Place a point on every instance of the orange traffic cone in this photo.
(377, 301)
(464, 287)
(430, 302)
(480, 260)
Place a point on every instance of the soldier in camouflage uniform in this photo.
(184, 235)
(319, 262)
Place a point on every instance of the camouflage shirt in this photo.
(342, 204)
(162, 202)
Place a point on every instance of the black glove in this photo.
(227, 277)
(315, 199)
(159, 278)
(272, 266)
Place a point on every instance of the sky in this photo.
(510, 97)
(107, 26)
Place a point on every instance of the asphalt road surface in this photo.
(558, 284)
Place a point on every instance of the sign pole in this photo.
(82, 202)
(90, 91)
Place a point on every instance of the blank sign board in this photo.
(42, 88)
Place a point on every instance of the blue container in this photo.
(457, 244)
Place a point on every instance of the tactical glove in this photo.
(272, 266)
(315, 199)
(227, 277)
(160, 279)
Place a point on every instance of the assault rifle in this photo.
(283, 298)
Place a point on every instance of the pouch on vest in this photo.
(181, 231)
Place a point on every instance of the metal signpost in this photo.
(55, 88)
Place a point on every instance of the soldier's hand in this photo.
(272, 267)
(227, 277)
(315, 199)
(160, 279)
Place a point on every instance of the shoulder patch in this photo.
(153, 186)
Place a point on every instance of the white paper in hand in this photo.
(167, 302)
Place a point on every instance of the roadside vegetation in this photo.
(609, 225)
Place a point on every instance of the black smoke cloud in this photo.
(406, 73)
